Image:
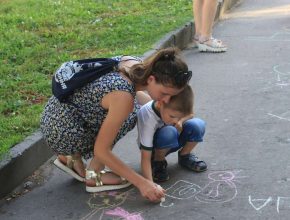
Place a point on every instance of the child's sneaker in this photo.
(190, 161)
(159, 171)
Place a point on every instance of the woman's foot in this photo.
(108, 178)
(72, 165)
(211, 45)
(104, 181)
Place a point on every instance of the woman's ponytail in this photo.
(165, 65)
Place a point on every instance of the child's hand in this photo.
(178, 126)
(152, 191)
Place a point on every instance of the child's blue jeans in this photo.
(168, 137)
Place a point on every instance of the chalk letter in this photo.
(259, 203)
(286, 200)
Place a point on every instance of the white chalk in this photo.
(163, 198)
(158, 186)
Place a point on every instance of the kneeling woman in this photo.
(96, 116)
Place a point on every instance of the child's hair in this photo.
(165, 65)
(182, 102)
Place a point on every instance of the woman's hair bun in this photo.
(168, 55)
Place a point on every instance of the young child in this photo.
(168, 127)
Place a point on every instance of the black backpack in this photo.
(75, 74)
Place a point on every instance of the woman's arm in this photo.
(146, 164)
(120, 104)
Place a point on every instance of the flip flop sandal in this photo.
(100, 187)
(212, 45)
(68, 167)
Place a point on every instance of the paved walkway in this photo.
(244, 97)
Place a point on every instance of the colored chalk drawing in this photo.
(123, 214)
(281, 77)
(220, 189)
(180, 190)
(282, 72)
(259, 204)
(282, 116)
(282, 81)
(109, 202)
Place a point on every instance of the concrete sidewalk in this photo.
(243, 95)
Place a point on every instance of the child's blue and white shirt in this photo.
(148, 121)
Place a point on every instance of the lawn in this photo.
(37, 36)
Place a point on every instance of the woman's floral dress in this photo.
(72, 127)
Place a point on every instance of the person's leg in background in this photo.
(197, 11)
(204, 15)
(209, 8)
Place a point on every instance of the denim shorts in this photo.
(167, 137)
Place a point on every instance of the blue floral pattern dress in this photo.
(72, 127)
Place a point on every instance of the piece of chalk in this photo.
(163, 198)
(158, 186)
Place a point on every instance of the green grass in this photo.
(37, 36)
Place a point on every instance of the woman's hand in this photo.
(151, 191)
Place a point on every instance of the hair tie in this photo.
(186, 73)
(183, 76)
